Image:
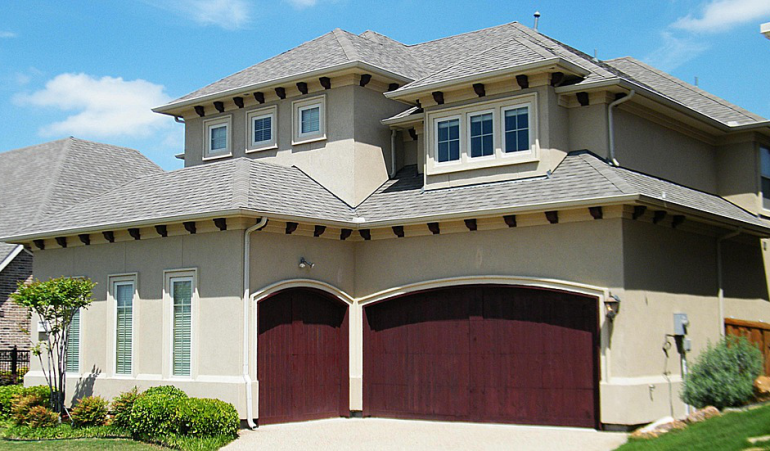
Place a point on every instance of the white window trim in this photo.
(495, 137)
(208, 124)
(501, 158)
(122, 279)
(253, 146)
(169, 276)
(297, 107)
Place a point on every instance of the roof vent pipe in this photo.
(537, 19)
(610, 130)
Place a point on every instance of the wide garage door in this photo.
(302, 357)
(483, 353)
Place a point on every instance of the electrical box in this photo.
(681, 323)
(687, 345)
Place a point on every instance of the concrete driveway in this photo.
(373, 434)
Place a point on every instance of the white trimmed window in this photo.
(764, 156)
(181, 292)
(217, 138)
(488, 134)
(73, 345)
(261, 126)
(309, 120)
(123, 291)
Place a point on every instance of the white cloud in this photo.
(103, 107)
(7, 34)
(675, 51)
(227, 14)
(721, 15)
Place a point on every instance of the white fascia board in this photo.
(765, 29)
(9, 258)
(560, 62)
(165, 109)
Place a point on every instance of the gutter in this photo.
(246, 301)
(610, 127)
(720, 288)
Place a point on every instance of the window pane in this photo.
(219, 138)
(481, 135)
(73, 345)
(523, 140)
(523, 122)
(517, 130)
(124, 294)
(263, 129)
(182, 294)
(311, 120)
(449, 140)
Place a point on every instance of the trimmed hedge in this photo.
(165, 390)
(723, 375)
(90, 411)
(154, 412)
(201, 417)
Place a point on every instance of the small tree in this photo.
(55, 302)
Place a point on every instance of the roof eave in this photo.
(175, 106)
(559, 62)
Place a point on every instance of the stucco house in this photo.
(488, 227)
(47, 178)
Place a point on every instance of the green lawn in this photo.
(79, 445)
(726, 433)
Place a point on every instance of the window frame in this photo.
(499, 157)
(79, 370)
(251, 116)
(436, 123)
(298, 106)
(170, 276)
(123, 279)
(766, 210)
(208, 126)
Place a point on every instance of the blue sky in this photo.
(93, 69)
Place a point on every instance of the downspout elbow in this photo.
(246, 300)
(610, 126)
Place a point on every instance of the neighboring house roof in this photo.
(250, 186)
(46, 178)
(464, 56)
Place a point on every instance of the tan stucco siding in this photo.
(738, 178)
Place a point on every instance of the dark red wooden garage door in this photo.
(483, 353)
(302, 357)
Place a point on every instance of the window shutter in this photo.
(124, 294)
(73, 345)
(182, 293)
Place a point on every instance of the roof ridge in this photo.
(346, 45)
(603, 168)
(53, 181)
(462, 34)
(695, 89)
(241, 183)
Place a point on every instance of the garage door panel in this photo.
(483, 354)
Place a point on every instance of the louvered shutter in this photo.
(73, 345)
(182, 294)
(124, 294)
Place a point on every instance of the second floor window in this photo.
(482, 135)
(217, 137)
(516, 129)
(262, 129)
(309, 120)
(765, 176)
(448, 140)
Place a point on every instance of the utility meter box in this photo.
(681, 323)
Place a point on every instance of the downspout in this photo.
(246, 301)
(610, 128)
(179, 119)
(392, 153)
(720, 288)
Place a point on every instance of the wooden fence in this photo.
(756, 332)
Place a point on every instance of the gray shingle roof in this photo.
(581, 176)
(242, 185)
(683, 93)
(46, 178)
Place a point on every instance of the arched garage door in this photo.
(302, 357)
(483, 353)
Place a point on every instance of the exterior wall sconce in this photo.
(304, 264)
(612, 306)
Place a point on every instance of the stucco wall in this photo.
(738, 177)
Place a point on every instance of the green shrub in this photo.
(723, 375)
(165, 390)
(121, 408)
(22, 404)
(41, 417)
(154, 413)
(207, 418)
(90, 411)
(9, 391)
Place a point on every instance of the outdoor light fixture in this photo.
(305, 264)
(613, 307)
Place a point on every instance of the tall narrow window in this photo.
(482, 135)
(181, 294)
(124, 298)
(516, 134)
(765, 171)
(448, 140)
(73, 345)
